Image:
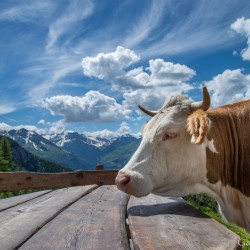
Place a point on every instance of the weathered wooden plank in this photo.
(170, 223)
(27, 180)
(20, 222)
(13, 201)
(96, 221)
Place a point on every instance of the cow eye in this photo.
(169, 136)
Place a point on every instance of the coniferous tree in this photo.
(6, 149)
(4, 164)
(5, 155)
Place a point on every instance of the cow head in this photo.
(171, 156)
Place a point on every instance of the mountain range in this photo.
(76, 151)
(24, 160)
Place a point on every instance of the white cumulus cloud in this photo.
(7, 127)
(230, 86)
(110, 66)
(169, 72)
(43, 122)
(92, 107)
(242, 26)
(105, 133)
(138, 85)
(57, 127)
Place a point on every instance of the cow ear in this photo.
(198, 126)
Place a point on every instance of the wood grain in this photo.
(13, 201)
(170, 223)
(96, 221)
(17, 224)
(27, 180)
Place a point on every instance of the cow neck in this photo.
(230, 133)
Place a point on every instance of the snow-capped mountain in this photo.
(75, 150)
(84, 148)
(64, 138)
(41, 147)
(24, 160)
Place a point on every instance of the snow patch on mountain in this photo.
(97, 141)
(59, 139)
(66, 138)
(34, 145)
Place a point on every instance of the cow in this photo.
(189, 148)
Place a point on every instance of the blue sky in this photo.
(85, 65)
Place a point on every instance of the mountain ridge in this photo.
(25, 160)
(77, 151)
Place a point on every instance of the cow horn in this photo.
(204, 105)
(148, 112)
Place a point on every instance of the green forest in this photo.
(6, 163)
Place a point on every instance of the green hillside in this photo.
(21, 159)
(119, 152)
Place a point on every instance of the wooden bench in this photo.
(102, 217)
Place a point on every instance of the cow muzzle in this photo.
(133, 183)
(122, 181)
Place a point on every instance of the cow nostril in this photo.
(125, 181)
(122, 182)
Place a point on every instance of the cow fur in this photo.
(229, 128)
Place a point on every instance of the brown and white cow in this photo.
(187, 148)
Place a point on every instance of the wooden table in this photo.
(101, 217)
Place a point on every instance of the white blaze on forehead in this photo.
(210, 145)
